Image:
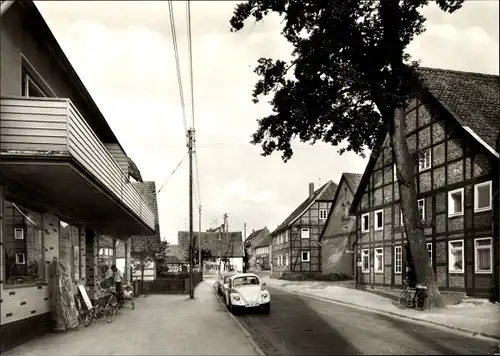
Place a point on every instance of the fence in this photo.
(175, 283)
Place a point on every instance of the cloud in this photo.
(123, 52)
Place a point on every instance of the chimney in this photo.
(311, 190)
(253, 230)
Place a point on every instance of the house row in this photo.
(68, 190)
(356, 227)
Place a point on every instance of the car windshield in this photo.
(244, 281)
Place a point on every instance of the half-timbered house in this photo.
(339, 233)
(451, 126)
(295, 242)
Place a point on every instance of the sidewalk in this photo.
(483, 319)
(159, 325)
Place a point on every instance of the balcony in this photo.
(46, 145)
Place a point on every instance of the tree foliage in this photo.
(206, 255)
(350, 68)
(151, 251)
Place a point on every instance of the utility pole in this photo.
(220, 249)
(227, 234)
(191, 259)
(244, 231)
(199, 239)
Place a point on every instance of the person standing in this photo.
(118, 283)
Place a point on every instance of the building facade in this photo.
(251, 242)
(338, 236)
(262, 253)
(295, 243)
(63, 195)
(149, 243)
(224, 246)
(451, 130)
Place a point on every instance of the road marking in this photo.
(404, 318)
(256, 347)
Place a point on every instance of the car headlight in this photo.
(264, 295)
(236, 297)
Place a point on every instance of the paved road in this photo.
(305, 326)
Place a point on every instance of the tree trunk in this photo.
(405, 169)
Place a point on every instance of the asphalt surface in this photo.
(304, 326)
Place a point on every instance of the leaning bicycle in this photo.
(109, 310)
(413, 295)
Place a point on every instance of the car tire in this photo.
(267, 308)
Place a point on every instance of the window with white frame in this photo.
(483, 255)
(395, 171)
(456, 202)
(402, 221)
(379, 219)
(398, 259)
(287, 259)
(365, 261)
(280, 260)
(456, 256)
(425, 160)
(305, 256)
(429, 250)
(365, 221)
(322, 214)
(379, 260)
(304, 233)
(482, 196)
(421, 208)
(19, 234)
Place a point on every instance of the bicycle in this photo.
(109, 311)
(413, 297)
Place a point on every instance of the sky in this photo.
(123, 53)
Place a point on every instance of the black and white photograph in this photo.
(249, 177)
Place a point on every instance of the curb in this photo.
(384, 312)
(256, 347)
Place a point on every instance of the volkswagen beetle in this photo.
(245, 292)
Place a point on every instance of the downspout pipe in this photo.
(5, 6)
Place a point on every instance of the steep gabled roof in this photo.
(472, 99)
(257, 233)
(230, 243)
(352, 181)
(325, 193)
(266, 241)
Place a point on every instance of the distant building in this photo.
(254, 239)
(295, 243)
(229, 245)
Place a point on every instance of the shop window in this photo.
(24, 259)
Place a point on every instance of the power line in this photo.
(171, 174)
(190, 51)
(177, 62)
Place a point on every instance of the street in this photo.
(305, 326)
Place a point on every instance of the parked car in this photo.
(222, 279)
(245, 292)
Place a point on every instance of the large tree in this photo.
(351, 80)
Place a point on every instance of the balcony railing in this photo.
(54, 126)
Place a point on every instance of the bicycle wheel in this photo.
(403, 299)
(110, 313)
(89, 317)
